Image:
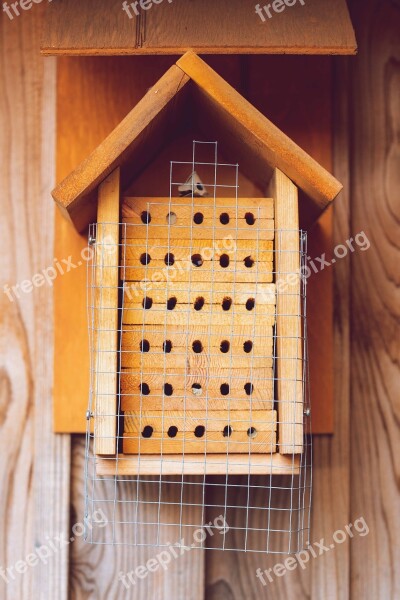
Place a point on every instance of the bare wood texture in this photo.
(234, 464)
(136, 139)
(288, 320)
(34, 464)
(200, 432)
(102, 27)
(258, 136)
(106, 314)
(95, 569)
(375, 426)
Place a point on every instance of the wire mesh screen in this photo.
(198, 419)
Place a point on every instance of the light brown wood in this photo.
(105, 335)
(288, 315)
(259, 139)
(197, 464)
(137, 137)
(34, 463)
(101, 27)
(185, 357)
(178, 432)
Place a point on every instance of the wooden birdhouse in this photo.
(196, 298)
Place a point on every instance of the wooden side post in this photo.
(106, 314)
(288, 321)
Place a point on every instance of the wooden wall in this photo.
(356, 472)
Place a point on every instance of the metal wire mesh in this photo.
(199, 403)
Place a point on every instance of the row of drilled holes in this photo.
(199, 431)
(196, 389)
(198, 218)
(197, 346)
(197, 260)
(199, 303)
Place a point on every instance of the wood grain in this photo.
(375, 153)
(34, 464)
(105, 335)
(101, 27)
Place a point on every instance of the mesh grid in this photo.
(197, 410)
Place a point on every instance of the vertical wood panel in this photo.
(34, 464)
(375, 183)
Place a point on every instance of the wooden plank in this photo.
(194, 464)
(184, 432)
(288, 319)
(186, 358)
(34, 465)
(208, 229)
(214, 293)
(144, 128)
(106, 263)
(102, 27)
(186, 273)
(263, 313)
(374, 318)
(258, 136)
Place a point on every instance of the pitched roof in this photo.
(191, 90)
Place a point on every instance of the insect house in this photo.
(196, 309)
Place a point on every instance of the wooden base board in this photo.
(195, 464)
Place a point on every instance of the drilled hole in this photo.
(227, 432)
(198, 218)
(224, 218)
(199, 431)
(249, 388)
(224, 347)
(147, 431)
(250, 304)
(197, 346)
(250, 220)
(168, 389)
(224, 261)
(197, 389)
(169, 259)
(144, 389)
(167, 346)
(145, 258)
(171, 303)
(199, 303)
(172, 431)
(252, 432)
(171, 218)
(147, 303)
(248, 346)
(144, 346)
(146, 217)
(197, 260)
(226, 303)
(224, 389)
(248, 262)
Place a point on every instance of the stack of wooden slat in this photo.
(197, 323)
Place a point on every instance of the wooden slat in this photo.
(156, 335)
(263, 313)
(102, 27)
(262, 230)
(135, 132)
(194, 464)
(106, 314)
(266, 141)
(34, 464)
(187, 273)
(182, 249)
(288, 320)
(250, 431)
(212, 293)
(186, 358)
